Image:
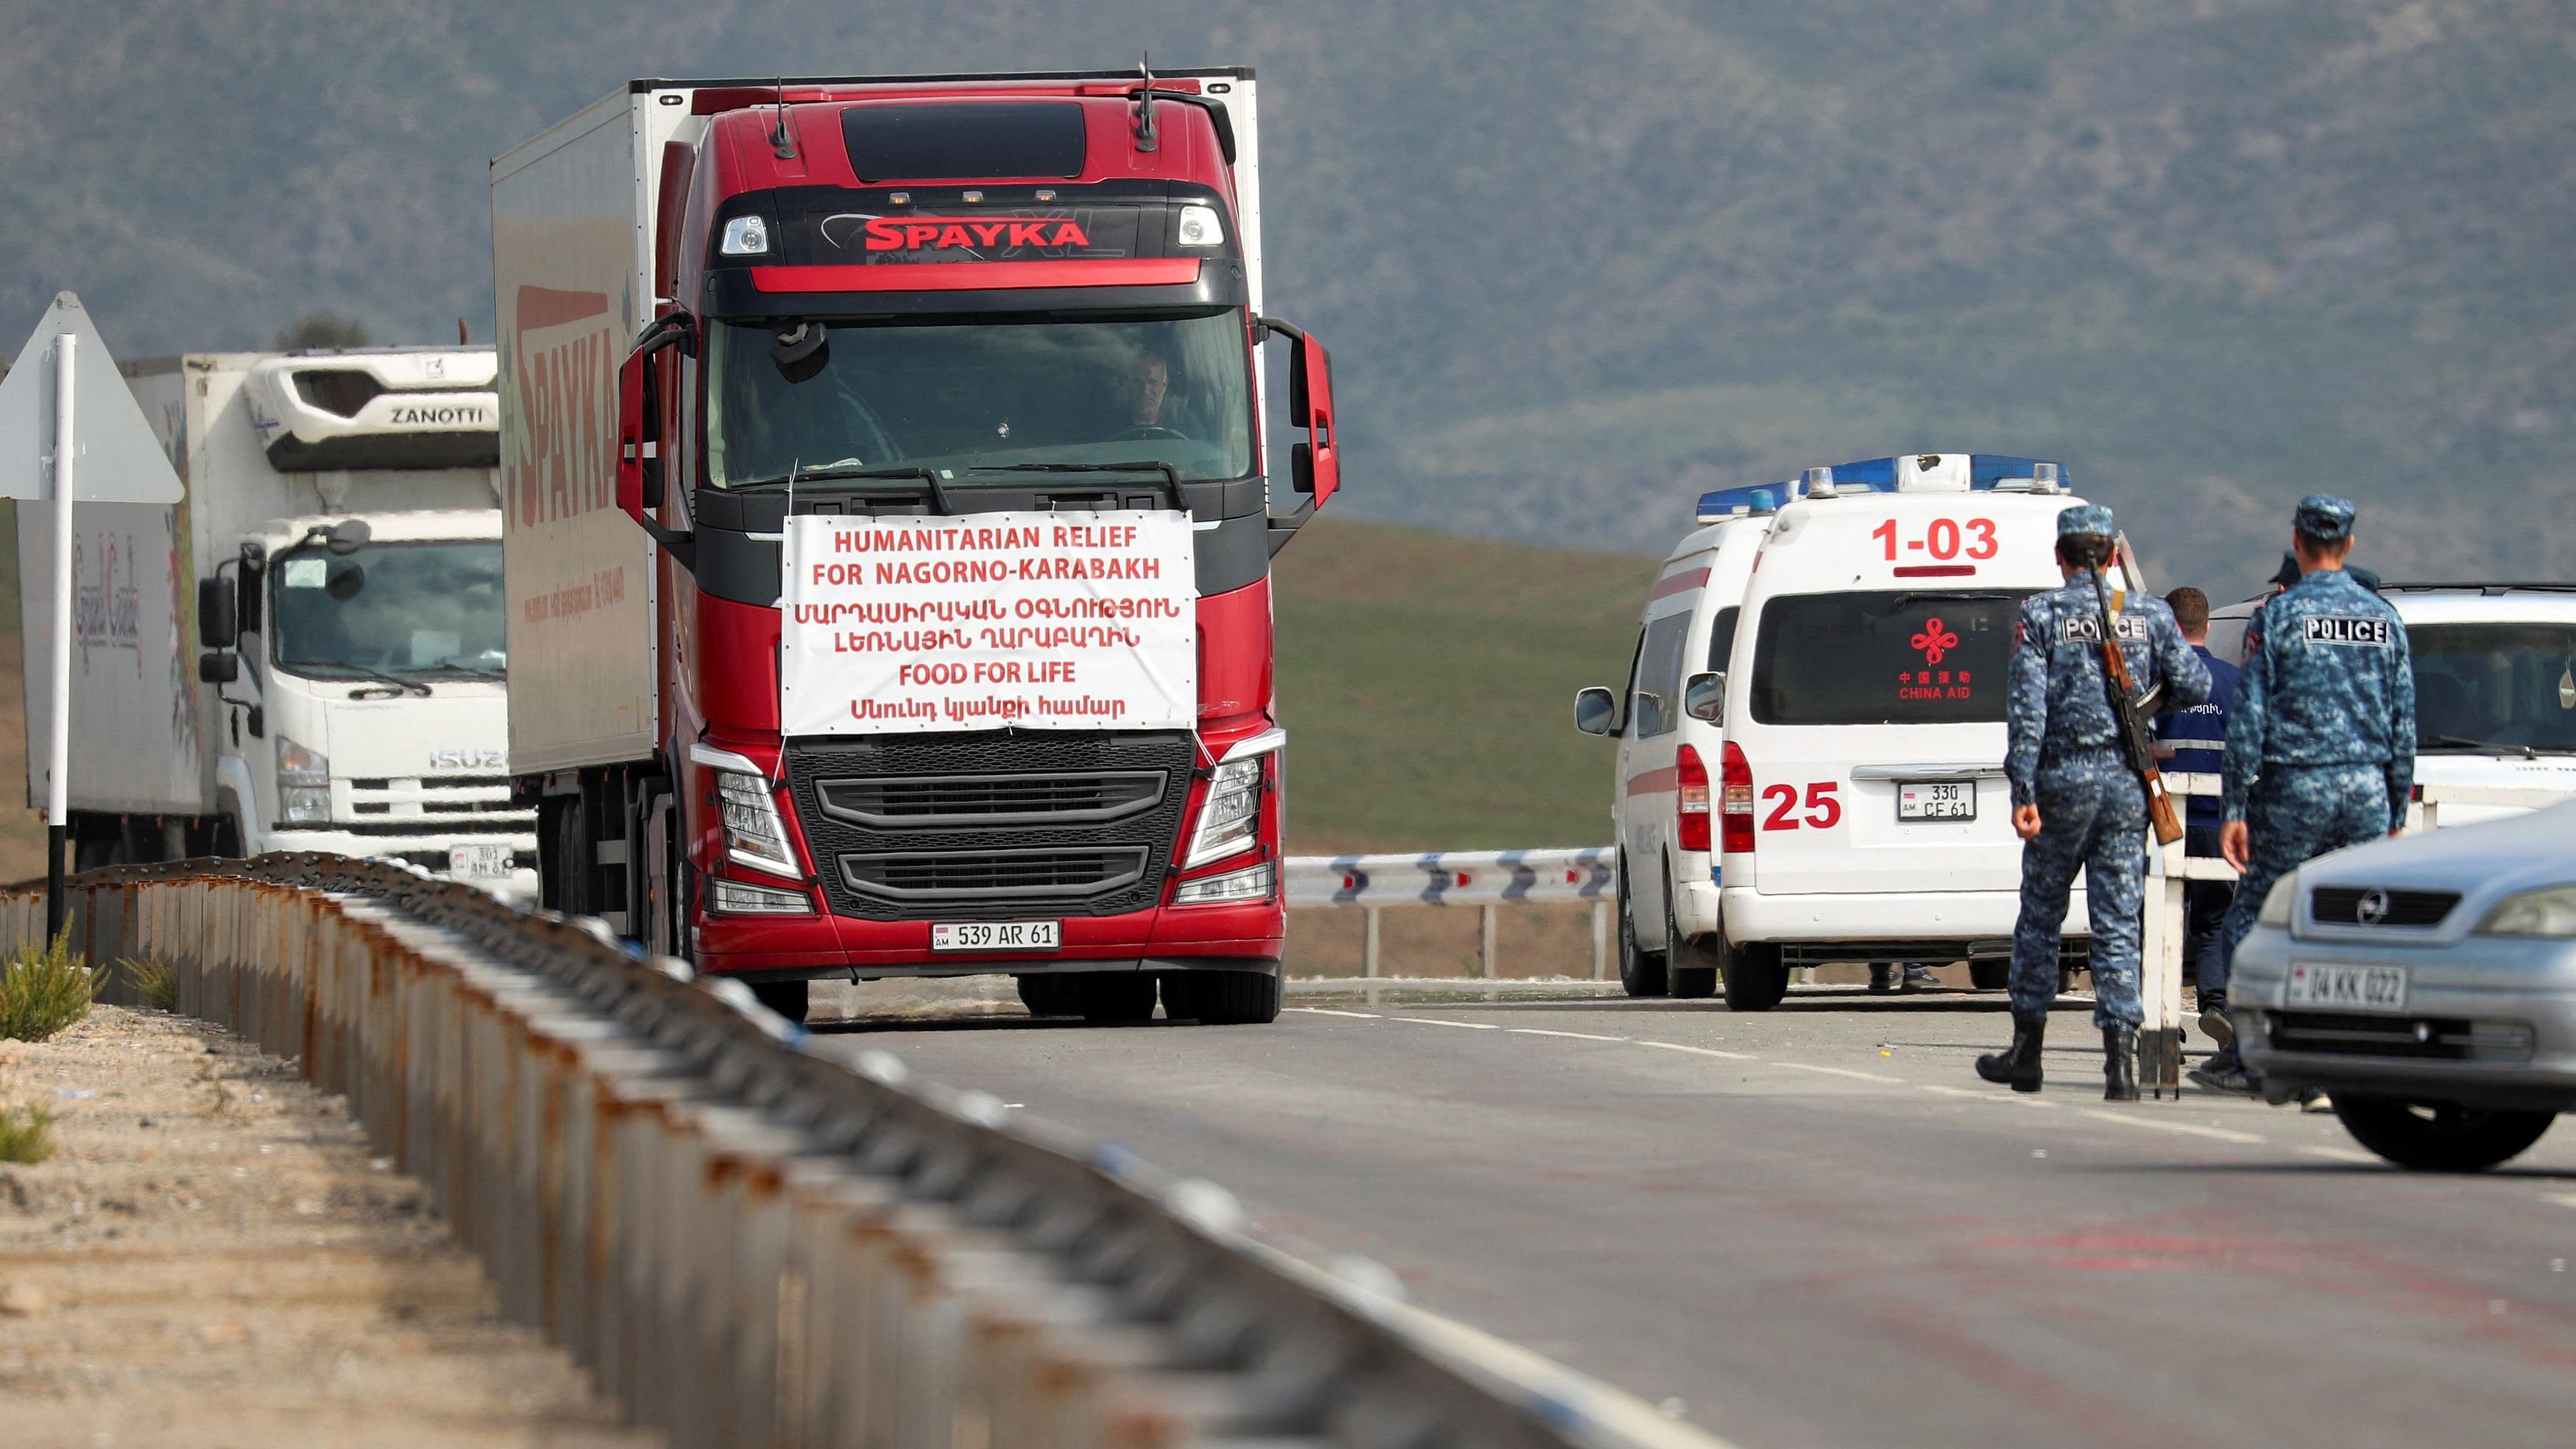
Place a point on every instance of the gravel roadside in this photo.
(213, 1257)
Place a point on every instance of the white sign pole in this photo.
(59, 737)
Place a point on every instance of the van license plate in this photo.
(2347, 988)
(997, 936)
(478, 862)
(1936, 800)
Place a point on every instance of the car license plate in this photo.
(996, 936)
(2348, 988)
(478, 862)
(1936, 800)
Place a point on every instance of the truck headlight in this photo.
(1234, 885)
(733, 898)
(2548, 912)
(304, 783)
(2277, 904)
(1230, 821)
(754, 835)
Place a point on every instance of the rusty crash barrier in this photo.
(747, 1243)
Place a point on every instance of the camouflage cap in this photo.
(2325, 517)
(2084, 520)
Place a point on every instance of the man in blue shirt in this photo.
(2193, 741)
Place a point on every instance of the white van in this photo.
(2495, 686)
(1863, 812)
(1661, 788)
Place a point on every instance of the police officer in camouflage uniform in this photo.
(2321, 742)
(2075, 799)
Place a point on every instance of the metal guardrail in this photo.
(748, 1243)
(1481, 878)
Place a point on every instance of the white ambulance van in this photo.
(1863, 813)
(2495, 689)
(1662, 785)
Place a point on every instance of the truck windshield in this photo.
(2491, 685)
(1906, 657)
(987, 394)
(393, 608)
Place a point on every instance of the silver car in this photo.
(2429, 984)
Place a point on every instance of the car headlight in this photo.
(1231, 818)
(2277, 905)
(2549, 912)
(304, 783)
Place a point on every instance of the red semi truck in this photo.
(886, 534)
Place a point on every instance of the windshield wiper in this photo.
(2462, 742)
(384, 682)
(1171, 475)
(1944, 596)
(930, 476)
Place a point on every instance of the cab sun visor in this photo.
(976, 141)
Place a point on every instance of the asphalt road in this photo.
(1815, 1227)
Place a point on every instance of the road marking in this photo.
(2563, 1199)
(1577, 1035)
(1841, 1072)
(1435, 1021)
(2189, 1129)
(1674, 1046)
(1320, 1011)
(2341, 1154)
(2018, 1099)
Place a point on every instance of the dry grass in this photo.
(157, 982)
(41, 992)
(26, 1137)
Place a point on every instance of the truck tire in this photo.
(1688, 973)
(1990, 975)
(1757, 978)
(1641, 973)
(1050, 995)
(787, 998)
(2439, 1136)
(1225, 998)
(1116, 998)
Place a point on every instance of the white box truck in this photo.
(306, 652)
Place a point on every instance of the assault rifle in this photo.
(2133, 726)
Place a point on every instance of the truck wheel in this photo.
(1055, 995)
(1990, 975)
(1641, 973)
(2439, 1136)
(1227, 998)
(1757, 977)
(1115, 998)
(1686, 970)
(787, 998)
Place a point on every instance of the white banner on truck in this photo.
(1067, 621)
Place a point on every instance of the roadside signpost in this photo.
(71, 432)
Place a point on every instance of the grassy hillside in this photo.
(1427, 682)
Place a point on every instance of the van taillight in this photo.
(1735, 801)
(1690, 817)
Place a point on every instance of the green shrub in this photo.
(42, 992)
(157, 982)
(26, 1137)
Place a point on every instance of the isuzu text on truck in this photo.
(304, 653)
(887, 531)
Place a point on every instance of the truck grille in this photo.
(2348, 1034)
(2357, 906)
(452, 799)
(991, 824)
(992, 874)
(929, 800)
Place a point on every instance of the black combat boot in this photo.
(2119, 1064)
(2017, 1066)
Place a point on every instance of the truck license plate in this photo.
(1936, 800)
(996, 936)
(2348, 988)
(478, 862)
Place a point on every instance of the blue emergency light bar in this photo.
(1986, 472)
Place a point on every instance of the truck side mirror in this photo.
(1596, 711)
(1315, 465)
(253, 577)
(218, 666)
(216, 626)
(1704, 697)
(636, 445)
(1646, 712)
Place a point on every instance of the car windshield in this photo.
(996, 392)
(2511, 685)
(1904, 657)
(411, 609)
